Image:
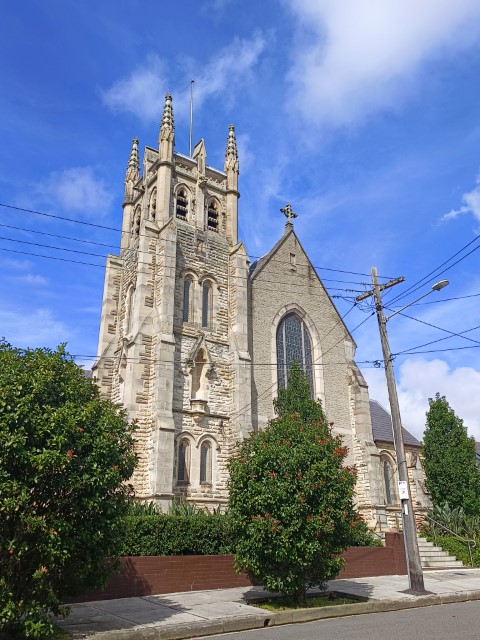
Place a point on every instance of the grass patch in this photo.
(283, 603)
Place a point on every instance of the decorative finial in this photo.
(231, 154)
(167, 126)
(289, 213)
(133, 161)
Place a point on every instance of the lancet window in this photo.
(183, 461)
(207, 304)
(188, 299)
(206, 463)
(181, 209)
(293, 344)
(388, 480)
(212, 216)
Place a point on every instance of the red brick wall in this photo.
(363, 562)
(150, 575)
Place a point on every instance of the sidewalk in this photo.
(196, 613)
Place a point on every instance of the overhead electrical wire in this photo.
(117, 229)
(419, 283)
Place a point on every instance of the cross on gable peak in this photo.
(289, 213)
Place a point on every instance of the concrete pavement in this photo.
(196, 613)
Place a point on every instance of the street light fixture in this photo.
(414, 567)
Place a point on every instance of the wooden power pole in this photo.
(415, 574)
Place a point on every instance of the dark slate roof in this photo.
(382, 426)
(87, 373)
(477, 450)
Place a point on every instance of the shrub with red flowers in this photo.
(291, 498)
(65, 455)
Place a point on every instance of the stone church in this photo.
(195, 340)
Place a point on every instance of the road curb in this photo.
(270, 619)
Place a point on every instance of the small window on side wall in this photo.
(187, 299)
(206, 463)
(206, 304)
(388, 481)
(183, 462)
(181, 209)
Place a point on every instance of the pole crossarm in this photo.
(381, 287)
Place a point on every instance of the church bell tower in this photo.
(173, 346)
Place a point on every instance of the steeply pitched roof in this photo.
(477, 451)
(382, 426)
(259, 264)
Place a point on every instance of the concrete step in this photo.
(433, 557)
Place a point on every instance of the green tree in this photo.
(291, 500)
(450, 465)
(65, 455)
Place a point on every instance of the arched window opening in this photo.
(199, 377)
(181, 209)
(183, 462)
(135, 228)
(206, 304)
(388, 481)
(127, 325)
(293, 344)
(188, 299)
(206, 463)
(212, 216)
(153, 205)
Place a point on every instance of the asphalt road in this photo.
(459, 621)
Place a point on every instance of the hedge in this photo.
(200, 534)
(175, 535)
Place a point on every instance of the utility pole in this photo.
(415, 574)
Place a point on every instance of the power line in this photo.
(122, 268)
(433, 326)
(416, 285)
(412, 353)
(117, 229)
(426, 344)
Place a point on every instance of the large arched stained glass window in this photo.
(293, 343)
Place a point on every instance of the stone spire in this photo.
(167, 125)
(231, 154)
(133, 171)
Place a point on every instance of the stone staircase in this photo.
(433, 557)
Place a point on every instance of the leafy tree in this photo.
(291, 500)
(65, 455)
(450, 465)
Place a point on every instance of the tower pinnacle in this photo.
(133, 171)
(167, 125)
(231, 154)
(133, 162)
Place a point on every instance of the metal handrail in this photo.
(467, 540)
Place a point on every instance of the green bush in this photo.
(176, 535)
(65, 455)
(291, 498)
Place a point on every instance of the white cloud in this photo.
(355, 57)
(142, 92)
(471, 204)
(78, 190)
(245, 155)
(419, 379)
(17, 265)
(32, 328)
(33, 279)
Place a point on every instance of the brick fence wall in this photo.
(150, 575)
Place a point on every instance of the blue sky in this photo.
(364, 114)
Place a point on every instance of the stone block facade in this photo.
(194, 343)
